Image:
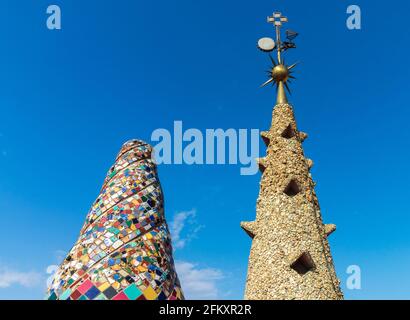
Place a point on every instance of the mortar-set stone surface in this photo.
(124, 251)
(290, 255)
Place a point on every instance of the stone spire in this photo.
(290, 256)
(124, 249)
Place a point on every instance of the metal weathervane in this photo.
(279, 74)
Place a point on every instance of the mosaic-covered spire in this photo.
(290, 256)
(124, 250)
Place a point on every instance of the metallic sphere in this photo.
(280, 73)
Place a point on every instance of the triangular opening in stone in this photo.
(289, 132)
(292, 189)
(303, 264)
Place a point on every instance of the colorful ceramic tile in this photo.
(132, 292)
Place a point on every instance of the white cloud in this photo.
(178, 224)
(198, 283)
(9, 278)
(60, 255)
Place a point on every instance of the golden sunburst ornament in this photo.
(280, 72)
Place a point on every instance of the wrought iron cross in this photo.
(277, 20)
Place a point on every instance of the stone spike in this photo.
(266, 137)
(262, 163)
(250, 228)
(310, 163)
(303, 136)
(329, 229)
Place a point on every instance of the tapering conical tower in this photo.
(290, 256)
(124, 250)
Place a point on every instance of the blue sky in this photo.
(121, 69)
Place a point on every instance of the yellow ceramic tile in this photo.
(142, 269)
(104, 286)
(150, 294)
